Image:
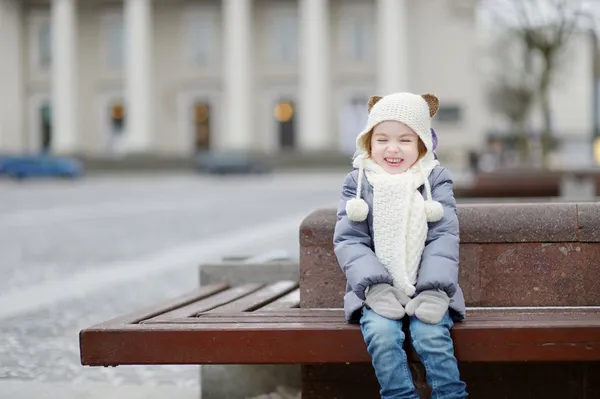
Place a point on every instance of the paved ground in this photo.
(77, 253)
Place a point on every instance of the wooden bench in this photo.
(256, 324)
(530, 278)
(575, 184)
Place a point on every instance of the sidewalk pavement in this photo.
(12, 389)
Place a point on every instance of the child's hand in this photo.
(429, 306)
(387, 301)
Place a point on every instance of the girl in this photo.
(397, 241)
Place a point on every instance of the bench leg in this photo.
(350, 381)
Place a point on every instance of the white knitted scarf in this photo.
(399, 218)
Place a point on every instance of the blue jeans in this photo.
(433, 344)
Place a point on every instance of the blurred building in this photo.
(173, 77)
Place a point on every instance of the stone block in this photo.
(239, 272)
(491, 223)
(246, 381)
(575, 187)
(588, 216)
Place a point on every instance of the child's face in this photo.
(394, 146)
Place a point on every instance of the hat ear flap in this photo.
(433, 103)
(372, 101)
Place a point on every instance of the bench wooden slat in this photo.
(207, 303)
(240, 319)
(295, 312)
(538, 313)
(477, 319)
(291, 300)
(200, 293)
(258, 298)
(518, 335)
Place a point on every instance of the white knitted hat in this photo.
(416, 112)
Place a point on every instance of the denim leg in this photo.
(385, 340)
(433, 344)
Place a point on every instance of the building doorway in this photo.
(40, 126)
(45, 127)
(201, 114)
(116, 126)
(285, 118)
(198, 114)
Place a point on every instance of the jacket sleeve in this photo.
(439, 263)
(353, 247)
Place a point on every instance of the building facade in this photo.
(174, 77)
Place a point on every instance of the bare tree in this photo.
(512, 87)
(514, 100)
(544, 28)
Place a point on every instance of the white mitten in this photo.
(387, 301)
(429, 306)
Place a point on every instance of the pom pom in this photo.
(434, 211)
(357, 209)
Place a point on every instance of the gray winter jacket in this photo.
(354, 248)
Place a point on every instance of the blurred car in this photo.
(230, 163)
(27, 166)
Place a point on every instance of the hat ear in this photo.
(372, 101)
(433, 103)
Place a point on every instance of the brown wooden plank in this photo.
(477, 339)
(207, 303)
(296, 313)
(313, 343)
(257, 345)
(291, 300)
(501, 320)
(258, 298)
(239, 318)
(150, 312)
(480, 314)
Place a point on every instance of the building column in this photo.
(392, 50)
(64, 76)
(238, 124)
(139, 111)
(12, 134)
(314, 108)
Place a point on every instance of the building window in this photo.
(45, 44)
(353, 118)
(200, 37)
(115, 35)
(285, 37)
(356, 33)
(359, 39)
(450, 113)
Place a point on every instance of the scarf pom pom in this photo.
(434, 211)
(357, 209)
